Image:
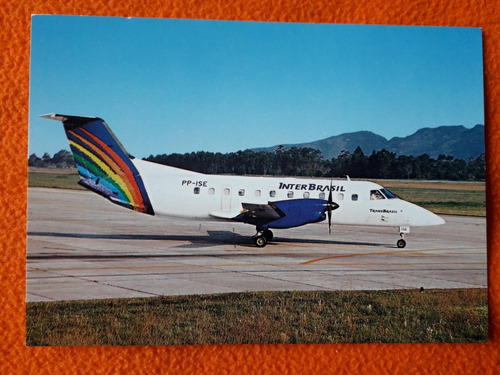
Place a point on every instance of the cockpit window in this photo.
(376, 194)
(388, 194)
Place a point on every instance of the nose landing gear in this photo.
(401, 242)
(402, 231)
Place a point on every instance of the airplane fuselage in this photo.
(181, 193)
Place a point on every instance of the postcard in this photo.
(198, 182)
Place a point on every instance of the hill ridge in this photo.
(455, 140)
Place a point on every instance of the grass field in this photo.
(54, 178)
(405, 316)
(453, 198)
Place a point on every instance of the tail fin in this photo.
(103, 164)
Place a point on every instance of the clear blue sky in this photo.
(168, 86)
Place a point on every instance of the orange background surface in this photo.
(15, 357)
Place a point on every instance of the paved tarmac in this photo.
(81, 247)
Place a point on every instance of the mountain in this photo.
(457, 141)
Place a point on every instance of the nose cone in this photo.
(420, 217)
(433, 219)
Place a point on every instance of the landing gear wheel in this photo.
(260, 241)
(401, 243)
(268, 234)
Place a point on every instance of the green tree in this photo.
(358, 163)
(381, 164)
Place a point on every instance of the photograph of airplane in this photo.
(177, 181)
(106, 168)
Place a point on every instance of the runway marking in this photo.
(405, 264)
(392, 252)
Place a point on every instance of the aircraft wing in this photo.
(251, 212)
(283, 214)
(261, 211)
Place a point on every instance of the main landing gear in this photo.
(262, 237)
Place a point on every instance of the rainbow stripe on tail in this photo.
(103, 164)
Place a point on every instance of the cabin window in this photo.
(307, 195)
(257, 193)
(322, 195)
(226, 191)
(340, 196)
(197, 190)
(211, 191)
(354, 197)
(290, 194)
(241, 192)
(272, 193)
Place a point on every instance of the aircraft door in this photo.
(226, 198)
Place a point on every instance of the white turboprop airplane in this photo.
(266, 202)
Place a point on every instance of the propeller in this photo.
(330, 206)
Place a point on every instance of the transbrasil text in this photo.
(384, 211)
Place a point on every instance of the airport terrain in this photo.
(80, 246)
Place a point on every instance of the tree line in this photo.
(304, 161)
(61, 159)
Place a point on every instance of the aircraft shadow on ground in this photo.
(212, 238)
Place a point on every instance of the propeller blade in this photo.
(329, 221)
(329, 207)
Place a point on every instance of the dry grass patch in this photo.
(400, 316)
(444, 185)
